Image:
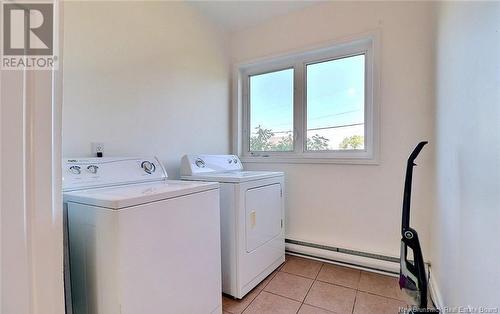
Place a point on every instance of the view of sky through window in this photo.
(335, 104)
(335, 99)
(271, 111)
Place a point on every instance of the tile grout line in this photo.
(354, 304)
(357, 290)
(377, 294)
(314, 280)
(336, 284)
(278, 268)
(359, 280)
(260, 291)
(324, 281)
(382, 296)
(322, 264)
(282, 296)
(309, 260)
(246, 307)
(286, 272)
(298, 310)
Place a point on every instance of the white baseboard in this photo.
(435, 291)
(354, 261)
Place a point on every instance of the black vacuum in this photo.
(412, 277)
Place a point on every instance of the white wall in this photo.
(359, 206)
(144, 78)
(466, 233)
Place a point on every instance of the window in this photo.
(271, 111)
(316, 105)
(335, 104)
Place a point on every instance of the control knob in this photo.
(199, 163)
(148, 167)
(92, 169)
(75, 169)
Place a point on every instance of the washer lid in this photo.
(136, 194)
(234, 176)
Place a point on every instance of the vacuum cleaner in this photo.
(412, 277)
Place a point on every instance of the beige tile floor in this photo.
(306, 286)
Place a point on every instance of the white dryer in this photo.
(252, 218)
(139, 243)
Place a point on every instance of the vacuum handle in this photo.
(405, 224)
(415, 152)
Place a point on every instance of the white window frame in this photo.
(298, 61)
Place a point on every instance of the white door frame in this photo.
(31, 229)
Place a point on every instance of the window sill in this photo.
(310, 160)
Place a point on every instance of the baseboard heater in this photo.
(352, 258)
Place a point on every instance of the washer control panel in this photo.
(82, 173)
(196, 164)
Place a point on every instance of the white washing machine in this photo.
(252, 218)
(139, 243)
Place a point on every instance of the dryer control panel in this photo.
(83, 173)
(196, 164)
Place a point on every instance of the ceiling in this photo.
(238, 14)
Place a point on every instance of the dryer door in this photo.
(263, 215)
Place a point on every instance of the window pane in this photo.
(271, 111)
(335, 104)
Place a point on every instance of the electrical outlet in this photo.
(97, 148)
